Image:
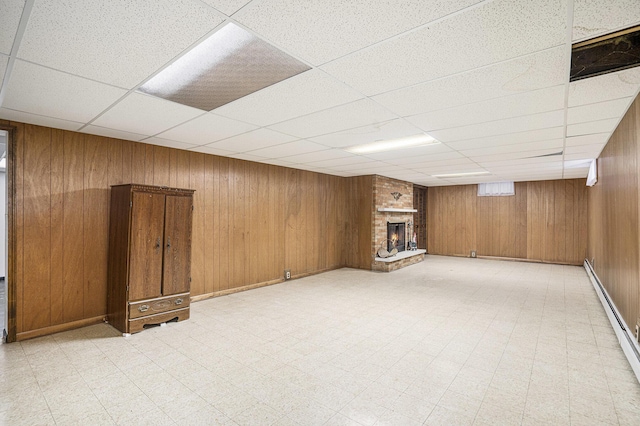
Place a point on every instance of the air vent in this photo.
(605, 54)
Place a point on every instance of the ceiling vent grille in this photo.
(605, 54)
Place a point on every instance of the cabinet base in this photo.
(138, 324)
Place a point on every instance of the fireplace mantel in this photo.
(392, 210)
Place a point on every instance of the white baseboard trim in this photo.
(623, 333)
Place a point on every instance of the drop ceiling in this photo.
(488, 79)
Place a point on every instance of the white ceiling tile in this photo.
(597, 138)
(360, 135)
(206, 129)
(373, 168)
(248, 157)
(599, 111)
(554, 144)
(120, 43)
(502, 127)
(250, 141)
(339, 162)
(494, 32)
(288, 149)
(4, 60)
(302, 94)
(210, 150)
(413, 161)
(605, 87)
(112, 133)
(228, 7)
(276, 162)
(575, 173)
(510, 138)
(168, 143)
(313, 157)
(146, 115)
(528, 73)
(582, 156)
(25, 117)
(599, 126)
(9, 21)
(343, 117)
(526, 103)
(586, 151)
(324, 30)
(522, 163)
(43, 91)
(417, 151)
(592, 18)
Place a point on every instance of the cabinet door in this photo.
(177, 244)
(145, 255)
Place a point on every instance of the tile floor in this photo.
(449, 341)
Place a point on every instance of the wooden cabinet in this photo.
(149, 256)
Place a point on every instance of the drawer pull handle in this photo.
(143, 308)
(179, 301)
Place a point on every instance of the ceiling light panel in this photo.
(531, 72)
(9, 21)
(43, 91)
(343, 117)
(290, 99)
(417, 151)
(592, 18)
(534, 102)
(119, 43)
(40, 120)
(146, 115)
(228, 65)
(324, 30)
(206, 129)
(393, 144)
(499, 127)
(493, 32)
(250, 141)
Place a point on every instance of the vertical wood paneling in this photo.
(251, 221)
(73, 227)
(614, 235)
(37, 230)
(534, 224)
(96, 212)
(57, 212)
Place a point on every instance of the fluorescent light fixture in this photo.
(228, 65)
(457, 175)
(393, 144)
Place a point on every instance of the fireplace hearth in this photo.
(396, 236)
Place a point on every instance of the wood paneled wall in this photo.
(359, 230)
(545, 221)
(614, 235)
(251, 221)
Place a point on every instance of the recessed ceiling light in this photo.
(456, 175)
(393, 144)
(228, 65)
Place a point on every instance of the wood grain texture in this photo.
(613, 235)
(360, 221)
(535, 224)
(177, 244)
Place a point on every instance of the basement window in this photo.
(496, 189)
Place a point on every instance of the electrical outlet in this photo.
(287, 274)
(473, 254)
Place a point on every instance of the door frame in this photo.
(10, 281)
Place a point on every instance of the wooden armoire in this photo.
(149, 271)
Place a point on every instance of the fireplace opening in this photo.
(395, 236)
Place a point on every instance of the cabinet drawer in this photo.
(144, 308)
(138, 324)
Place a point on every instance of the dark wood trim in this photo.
(10, 281)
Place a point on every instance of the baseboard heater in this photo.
(625, 336)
